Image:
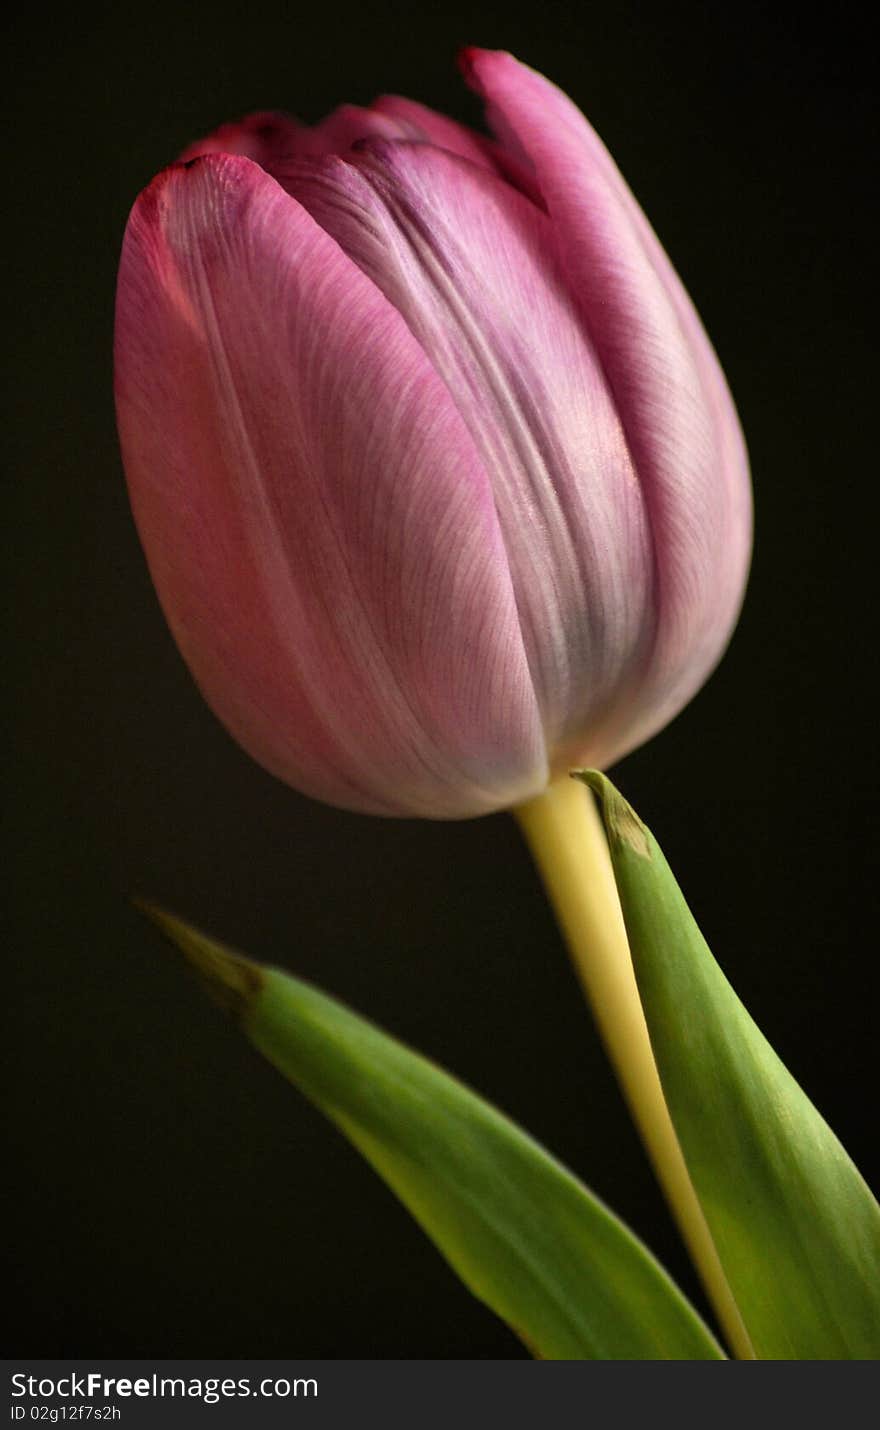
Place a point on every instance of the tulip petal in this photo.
(471, 265)
(418, 122)
(318, 523)
(350, 123)
(271, 138)
(679, 419)
(267, 137)
(421, 124)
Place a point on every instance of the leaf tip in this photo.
(622, 824)
(231, 980)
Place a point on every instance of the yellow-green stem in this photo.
(565, 834)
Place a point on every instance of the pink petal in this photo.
(317, 521)
(677, 413)
(271, 139)
(266, 137)
(418, 122)
(471, 265)
(349, 124)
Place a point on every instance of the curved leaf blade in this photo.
(524, 1235)
(795, 1225)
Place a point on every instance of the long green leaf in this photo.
(795, 1226)
(523, 1234)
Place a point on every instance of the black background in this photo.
(169, 1193)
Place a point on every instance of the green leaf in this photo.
(796, 1228)
(523, 1234)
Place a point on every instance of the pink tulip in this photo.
(438, 477)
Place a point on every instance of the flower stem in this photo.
(564, 832)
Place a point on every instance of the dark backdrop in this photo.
(169, 1194)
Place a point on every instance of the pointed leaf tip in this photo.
(231, 980)
(622, 824)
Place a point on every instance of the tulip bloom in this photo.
(438, 477)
